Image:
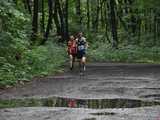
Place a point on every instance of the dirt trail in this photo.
(101, 81)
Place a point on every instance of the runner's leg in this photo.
(80, 61)
(71, 61)
(84, 63)
(79, 65)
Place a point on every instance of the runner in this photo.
(81, 50)
(72, 51)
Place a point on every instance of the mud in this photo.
(131, 90)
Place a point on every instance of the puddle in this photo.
(77, 103)
(154, 96)
(103, 113)
(89, 119)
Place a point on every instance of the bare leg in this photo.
(84, 63)
(71, 62)
(79, 64)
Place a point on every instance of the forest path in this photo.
(115, 90)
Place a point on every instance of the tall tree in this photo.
(28, 4)
(106, 16)
(56, 19)
(62, 20)
(43, 18)
(25, 3)
(78, 14)
(113, 22)
(88, 14)
(133, 19)
(66, 19)
(97, 15)
(35, 21)
(49, 24)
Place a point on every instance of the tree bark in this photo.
(56, 19)
(66, 20)
(102, 13)
(49, 24)
(35, 22)
(155, 29)
(43, 18)
(88, 15)
(29, 6)
(113, 22)
(15, 1)
(97, 16)
(106, 21)
(133, 19)
(78, 13)
(25, 4)
(62, 20)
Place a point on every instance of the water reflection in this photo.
(77, 103)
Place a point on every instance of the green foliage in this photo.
(44, 60)
(19, 63)
(12, 41)
(130, 53)
(148, 4)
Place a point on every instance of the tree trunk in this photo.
(25, 4)
(35, 22)
(125, 27)
(15, 1)
(113, 22)
(97, 16)
(62, 21)
(93, 2)
(49, 24)
(158, 26)
(139, 30)
(126, 6)
(88, 15)
(56, 20)
(102, 13)
(29, 6)
(66, 20)
(106, 21)
(155, 29)
(78, 13)
(43, 19)
(133, 19)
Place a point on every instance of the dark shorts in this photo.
(74, 55)
(81, 54)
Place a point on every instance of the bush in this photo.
(39, 61)
(44, 60)
(103, 52)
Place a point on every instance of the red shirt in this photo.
(72, 47)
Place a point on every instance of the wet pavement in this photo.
(107, 91)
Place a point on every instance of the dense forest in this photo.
(34, 33)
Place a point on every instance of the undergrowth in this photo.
(102, 52)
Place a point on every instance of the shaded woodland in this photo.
(34, 33)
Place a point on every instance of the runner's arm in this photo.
(86, 44)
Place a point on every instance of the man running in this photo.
(81, 50)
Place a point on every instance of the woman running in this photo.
(72, 50)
